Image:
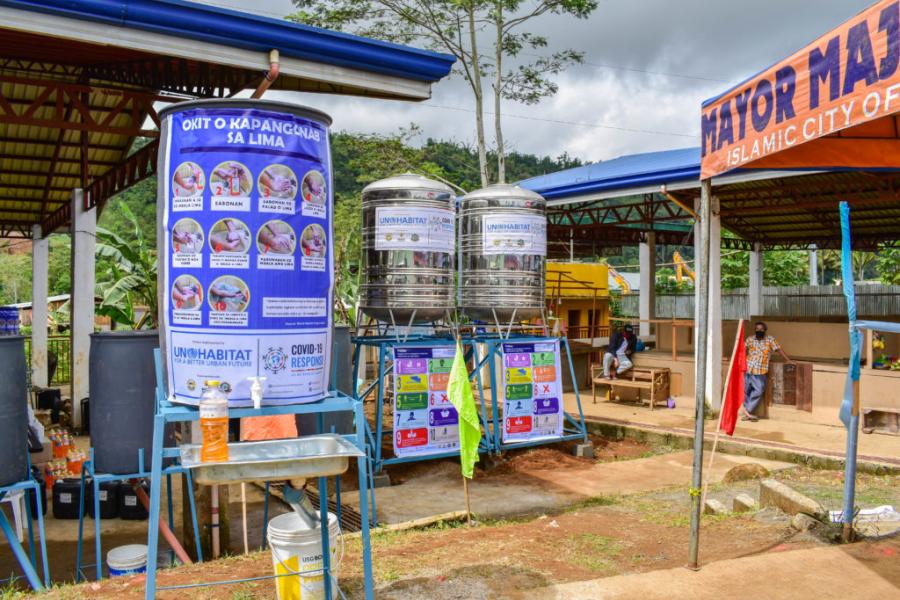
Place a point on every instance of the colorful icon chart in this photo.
(425, 422)
(532, 391)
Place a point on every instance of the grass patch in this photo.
(595, 501)
(659, 451)
(594, 552)
(827, 487)
(9, 592)
(245, 593)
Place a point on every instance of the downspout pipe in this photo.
(271, 76)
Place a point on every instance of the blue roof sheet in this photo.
(251, 32)
(650, 168)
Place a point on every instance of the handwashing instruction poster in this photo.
(425, 421)
(246, 253)
(531, 391)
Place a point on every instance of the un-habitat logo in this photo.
(275, 360)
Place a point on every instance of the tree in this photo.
(780, 268)
(15, 278)
(129, 277)
(529, 83)
(889, 266)
(454, 26)
(735, 269)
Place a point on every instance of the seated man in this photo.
(617, 359)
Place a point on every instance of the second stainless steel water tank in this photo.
(503, 233)
(408, 240)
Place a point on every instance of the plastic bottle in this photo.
(213, 423)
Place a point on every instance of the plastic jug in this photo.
(214, 423)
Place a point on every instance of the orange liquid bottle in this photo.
(213, 423)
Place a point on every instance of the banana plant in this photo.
(129, 279)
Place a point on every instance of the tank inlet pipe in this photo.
(271, 76)
(163, 528)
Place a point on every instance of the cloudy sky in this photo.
(649, 65)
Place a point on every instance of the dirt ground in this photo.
(62, 535)
(601, 537)
(557, 456)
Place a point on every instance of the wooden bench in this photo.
(656, 380)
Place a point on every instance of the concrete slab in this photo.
(794, 575)
(541, 491)
(786, 428)
(644, 474)
(435, 494)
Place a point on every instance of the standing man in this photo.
(759, 351)
(617, 359)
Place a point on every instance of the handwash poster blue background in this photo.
(246, 252)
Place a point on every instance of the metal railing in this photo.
(59, 346)
(587, 331)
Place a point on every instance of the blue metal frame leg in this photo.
(79, 554)
(190, 483)
(39, 496)
(19, 552)
(363, 470)
(98, 549)
(159, 426)
(327, 574)
(265, 527)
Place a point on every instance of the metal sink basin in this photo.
(273, 460)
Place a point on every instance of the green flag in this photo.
(460, 394)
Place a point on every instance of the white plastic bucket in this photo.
(298, 549)
(127, 560)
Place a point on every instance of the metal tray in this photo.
(273, 460)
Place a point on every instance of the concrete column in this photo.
(647, 299)
(813, 266)
(84, 228)
(714, 332)
(40, 257)
(755, 288)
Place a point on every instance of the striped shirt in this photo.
(758, 354)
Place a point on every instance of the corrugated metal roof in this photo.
(76, 74)
(202, 22)
(649, 168)
(771, 207)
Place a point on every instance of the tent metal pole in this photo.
(700, 360)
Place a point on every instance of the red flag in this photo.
(734, 391)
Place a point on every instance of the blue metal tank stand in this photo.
(167, 412)
(87, 472)
(573, 429)
(385, 346)
(28, 562)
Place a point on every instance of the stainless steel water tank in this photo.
(503, 234)
(408, 240)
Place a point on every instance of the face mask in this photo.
(760, 335)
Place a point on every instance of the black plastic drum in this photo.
(13, 411)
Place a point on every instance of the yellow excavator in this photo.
(617, 277)
(682, 268)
